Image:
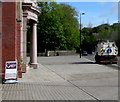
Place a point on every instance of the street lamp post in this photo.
(80, 32)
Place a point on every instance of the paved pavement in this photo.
(65, 78)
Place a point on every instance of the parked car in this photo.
(84, 53)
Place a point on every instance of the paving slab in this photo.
(43, 92)
(43, 84)
(65, 78)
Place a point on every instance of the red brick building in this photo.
(0, 39)
(13, 33)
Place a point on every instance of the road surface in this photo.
(99, 81)
(117, 66)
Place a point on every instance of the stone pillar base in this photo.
(34, 65)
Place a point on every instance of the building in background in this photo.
(14, 19)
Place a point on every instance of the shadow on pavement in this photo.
(83, 63)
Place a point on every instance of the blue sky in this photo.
(97, 13)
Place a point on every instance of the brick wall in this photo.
(0, 40)
(9, 38)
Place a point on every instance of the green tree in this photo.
(50, 29)
(89, 40)
(57, 27)
(71, 26)
(108, 32)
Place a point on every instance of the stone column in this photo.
(23, 37)
(33, 49)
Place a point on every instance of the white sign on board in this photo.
(11, 70)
